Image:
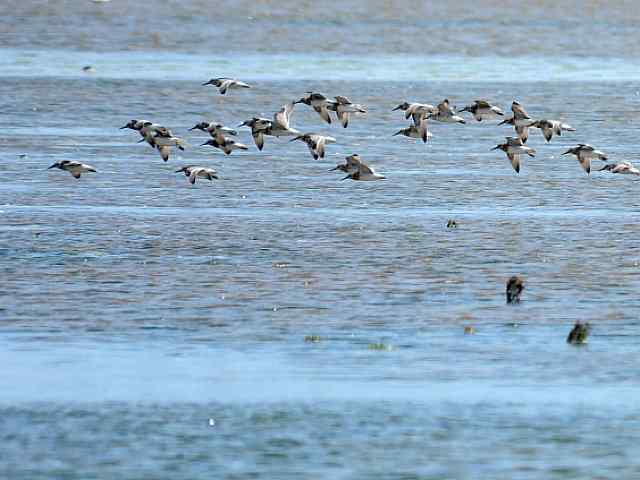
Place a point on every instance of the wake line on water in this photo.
(312, 67)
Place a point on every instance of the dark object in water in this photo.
(88, 69)
(452, 223)
(578, 335)
(515, 286)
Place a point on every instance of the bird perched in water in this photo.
(446, 113)
(418, 111)
(579, 333)
(225, 84)
(316, 143)
(514, 147)
(416, 131)
(320, 104)
(515, 286)
(481, 109)
(350, 166)
(74, 168)
(193, 172)
(622, 167)
(520, 121)
(585, 153)
(227, 145)
(549, 127)
(344, 108)
(363, 172)
(280, 126)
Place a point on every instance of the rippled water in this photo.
(154, 329)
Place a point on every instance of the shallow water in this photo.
(135, 307)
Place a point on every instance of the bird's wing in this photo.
(258, 137)
(320, 147)
(585, 162)
(283, 116)
(164, 152)
(515, 161)
(342, 100)
(323, 112)
(344, 118)
(523, 133)
(366, 169)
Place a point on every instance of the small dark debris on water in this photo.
(312, 338)
(469, 330)
(515, 286)
(452, 223)
(88, 69)
(380, 346)
(23, 155)
(578, 335)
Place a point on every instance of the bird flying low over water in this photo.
(258, 126)
(280, 126)
(320, 104)
(416, 131)
(549, 127)
(74, 168)
(316, 143)
(585, 153)
(227, 145)
(356, 169)
(193, 172)
(622, 167)
(164, 143)
(481, 109)
(350, 166)
(225, 84)
(446, 113)
(520, 120)
(216, 130)
(514, 147)
(418, 111)
(344, 108)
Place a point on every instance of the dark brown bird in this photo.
(578, 335)
(515, 286)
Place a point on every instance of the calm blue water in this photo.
(154, 329)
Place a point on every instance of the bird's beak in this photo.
(397, 108)
(52, 166)
(502, 122)
(207, 83)
(203, 144)
(122, 128)
(397, 133)
(294, 139)
(243, 124)
(568, 151)
(298, 101)
(495, 148)
(193, 128)
(181, 170)
(348, 176)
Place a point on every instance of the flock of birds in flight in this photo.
(163, 140)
